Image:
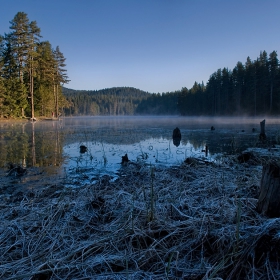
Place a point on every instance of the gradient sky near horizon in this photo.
(153, 45)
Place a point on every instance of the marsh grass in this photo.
(184, 222)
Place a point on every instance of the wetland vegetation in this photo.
(146, 219)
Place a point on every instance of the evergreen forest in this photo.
(33, 75)
(111, 101)
(31, 72)
(250, 89)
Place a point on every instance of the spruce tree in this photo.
(250, 98)
(60, 77)
(32, 60)
(14, 97)
(273, 64)
(44, 78)
(238, 84)
(18, 40)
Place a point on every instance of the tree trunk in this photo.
(269, 199)
(33, 146)
(56, 105)
(32, 94)
(54, 96)
(271, 98)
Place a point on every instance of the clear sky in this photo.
(152, 45)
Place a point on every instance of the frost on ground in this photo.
(194, 221)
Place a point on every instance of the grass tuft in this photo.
(185, 222)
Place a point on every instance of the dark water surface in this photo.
(55, 145)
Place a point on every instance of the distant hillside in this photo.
(109, 101)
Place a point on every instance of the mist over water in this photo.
(56, 144)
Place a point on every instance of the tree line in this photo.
(32, 75)
(31, 72)
(252, 89)
(111, 101)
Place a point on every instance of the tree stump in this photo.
(125, 159)
(262, 136)
(83, 149)
(176, 136)
(269, 199)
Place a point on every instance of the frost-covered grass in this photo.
(195, 221)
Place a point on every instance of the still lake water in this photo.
(56, 144)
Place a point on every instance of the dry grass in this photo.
(195, 221)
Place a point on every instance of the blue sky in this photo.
(153, 45)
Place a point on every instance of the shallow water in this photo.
(55, 145)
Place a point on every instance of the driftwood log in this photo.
(269, 199)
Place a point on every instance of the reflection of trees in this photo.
(49, 144)
(13, 147)
(110, 136)
(222, 141)
(33, 145)
(217, 142)
(41, 143)
(29, 144)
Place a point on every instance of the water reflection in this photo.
(58, 143)
(31, 144)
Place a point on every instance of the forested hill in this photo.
(109, 101)
(252, 88)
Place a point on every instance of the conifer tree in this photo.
(19, 40)
(238, 83)
(273, 64)
(2, 87)
(19, 45)
(14, 97)
(262, 73)
(32, 60)
(60, 77)
(30, 70)
(44, 78)
(250, 98)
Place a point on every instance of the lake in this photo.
(55, 145)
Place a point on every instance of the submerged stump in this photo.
(83, 149)
(244, 157)
(125, 159)
(176, 136)
(262, 136)
(269, 199)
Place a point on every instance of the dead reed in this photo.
(195, 221)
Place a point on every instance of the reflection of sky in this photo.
(103, 157)
(145, 139)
